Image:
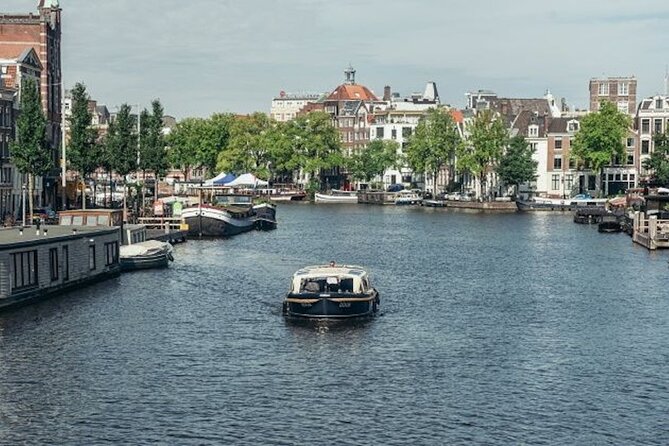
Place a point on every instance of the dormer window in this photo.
(533, 131)
(572, 126)
(658, 104)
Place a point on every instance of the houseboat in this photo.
(38, 262)
(331, 291)
(651, 223)
(337, 196)
(228, 215)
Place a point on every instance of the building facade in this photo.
(621, 91)
(286, 106)
(42, 33)
(652, 119)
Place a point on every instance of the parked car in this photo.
(395, 187)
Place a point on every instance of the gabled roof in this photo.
(525, 119)
(25, 55)
(346, 92)
(559, 125)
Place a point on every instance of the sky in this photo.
(205, 56)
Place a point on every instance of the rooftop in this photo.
(10, 237)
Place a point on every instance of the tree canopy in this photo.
(373, 160)
(434, 143)
(122, 142)
(152, 155)
(516, 165)
(29, 150)
(84, 153)
(658, 162)
(601, 137)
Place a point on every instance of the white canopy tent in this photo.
(218, 179)
(248, 179)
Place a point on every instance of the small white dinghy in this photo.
(144, 255)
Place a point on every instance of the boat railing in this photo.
(166, 223)
(650, 231)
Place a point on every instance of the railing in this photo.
(651, 232)
(166, 223)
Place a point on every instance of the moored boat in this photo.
(337, 196)
(265, 216)
(407, 197)
(212, 221)
(331, 291)
(145, 255)
(557, 204)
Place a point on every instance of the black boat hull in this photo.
(331, 306)
(203, 226)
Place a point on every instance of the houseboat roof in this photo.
(352, 271)
(11, 238)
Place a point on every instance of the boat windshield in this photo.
(326, 285)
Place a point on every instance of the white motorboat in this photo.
(145, 255)
(331, 291)
(407, 197)
(337, 196)
(558, 204)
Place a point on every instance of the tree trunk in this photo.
(155, 187)
(31, 187)
(125, 204)
(83, 192)
(141, 208)
(434, 184)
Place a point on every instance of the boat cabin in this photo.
(651, 224)
(331, 279)
(105, 218)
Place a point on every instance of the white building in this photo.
(286, 106)
(652, 118)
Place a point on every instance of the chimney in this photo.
(387, 95)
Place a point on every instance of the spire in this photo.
(42, 4)
(350, 75)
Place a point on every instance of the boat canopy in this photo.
(326, 278)
(247, 179)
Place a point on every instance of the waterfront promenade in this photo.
(495, 329)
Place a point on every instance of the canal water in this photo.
(494, 329)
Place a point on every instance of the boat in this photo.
(609, 227)
(337, 196)
(228, 215)
(407, 197)
(265, 216)
(331, 291)
(145, 255)
(283, 194)
(434, 203)
(591, 215)
(557, 204)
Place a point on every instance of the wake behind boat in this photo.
(331, 291)
(337, 196)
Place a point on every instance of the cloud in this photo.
(202, 56)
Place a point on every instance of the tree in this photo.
(601, 138)
(248, 146)
(433, 144)
(29, 151)
(373, 160)
(487, 138)
(659, 160)
(152, 155)
(122, 146)
(516, 166)
(83, 150)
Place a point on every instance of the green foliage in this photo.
(601, 137)
(152, 154)
(373, 160)
(197, 142)
(516, 165)
(434, 143)
(317, 143)
(29, 152)
(487, 139)
(84, 153)
(121, 143)
(248, 146)
(659, 160)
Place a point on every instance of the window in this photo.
(111, 253)
(657, 127)
(572, 126)
(393, 133)
(645, 126)
(630, 159)
(555, 182)
(557, 163)
(658, 104)
(533, 131)
(572, 163)
(91, 257)
(24, 265)
(623, 89)
(569, 181)
(645, 147)
(630, 143)
(603, 88)
(406, 132)
(53, 263)
(379, 133)
(623, 106)
(592, 180)
(66, 263)
(533, 146)
(558, 144)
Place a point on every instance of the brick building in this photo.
(620, 91)
(41, 32)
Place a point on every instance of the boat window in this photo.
(78, 220)
(66, 220)
(346, 285)
(103, 220)
(91, 220)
